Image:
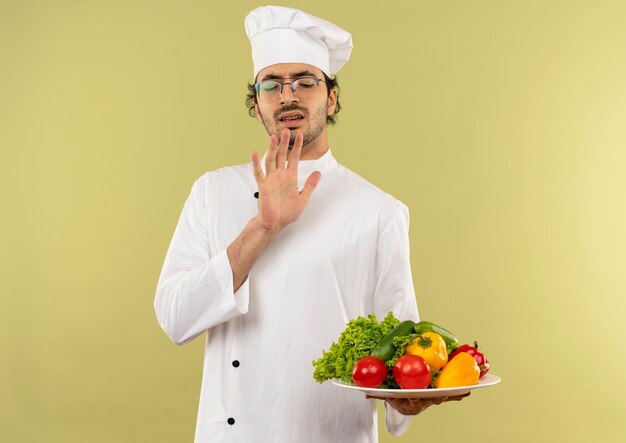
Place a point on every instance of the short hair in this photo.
(331, 83)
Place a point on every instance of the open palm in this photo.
(280, 201)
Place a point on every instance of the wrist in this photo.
(264, 231)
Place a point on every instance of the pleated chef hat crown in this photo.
(285, 35)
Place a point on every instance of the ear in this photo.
(332, 101)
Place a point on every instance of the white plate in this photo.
(487, 380)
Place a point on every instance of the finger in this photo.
(458, 397)
(256, 168)
(310, 185)
(282, 149)
(294, 156)
(425, 403)
(270, 158)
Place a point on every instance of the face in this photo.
(311, 113)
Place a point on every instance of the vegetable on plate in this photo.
(451, 341)
(385, 348)
(358, 339)
(412, 372)
(431, 347)
(400, 355)
(369, 372)
(481, 360)
(462, 370)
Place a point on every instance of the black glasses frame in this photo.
(257, 85)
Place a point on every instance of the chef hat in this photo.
(284, 35)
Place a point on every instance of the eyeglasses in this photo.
(305, 87)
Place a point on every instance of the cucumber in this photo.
(385, 348)
(451, 341)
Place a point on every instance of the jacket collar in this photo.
(305, 167)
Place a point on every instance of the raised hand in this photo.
(280, 201)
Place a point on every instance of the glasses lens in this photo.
(269, 89)
(305, 86)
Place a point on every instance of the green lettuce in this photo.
(355, 342)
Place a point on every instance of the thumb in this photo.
(310, 185)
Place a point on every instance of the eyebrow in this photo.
(292, 75)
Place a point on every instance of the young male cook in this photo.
(273, 258)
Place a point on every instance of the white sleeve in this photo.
(394, 290)
(195, 291)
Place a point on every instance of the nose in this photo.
(287, 95)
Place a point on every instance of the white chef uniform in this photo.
(346, 256)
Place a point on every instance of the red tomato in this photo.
(412, 372)
(369, 372)
(483, 363)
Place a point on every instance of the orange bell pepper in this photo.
(461, 370)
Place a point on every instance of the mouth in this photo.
(290, 119)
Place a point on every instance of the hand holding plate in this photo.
(414, 406)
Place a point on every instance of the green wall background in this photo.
(500, 124)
